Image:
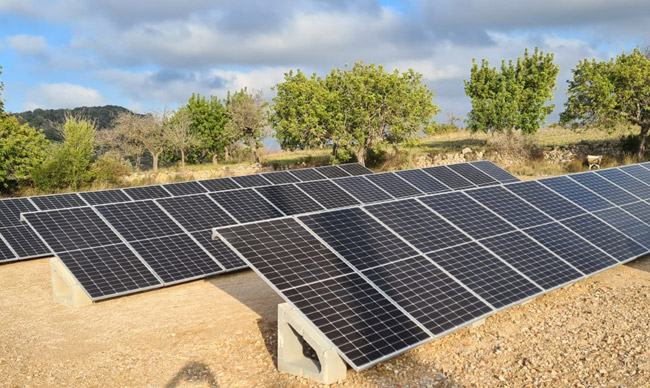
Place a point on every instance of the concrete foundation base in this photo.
(293, 330)
(478, 323)
(65, 288)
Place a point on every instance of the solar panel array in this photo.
(170, 234)
(426, 265)
(18, 242)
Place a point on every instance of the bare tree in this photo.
(152, 135)
(178, 132)
(124, 138)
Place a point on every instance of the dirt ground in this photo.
(222, 332)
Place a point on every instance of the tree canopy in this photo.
(247, 118)
(514, 96)
(355, 109)
(2, 104)
(22, 149)
(610, 92)
(208, 121)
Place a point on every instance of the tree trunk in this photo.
(154, 156)
(361, 156)
(253, 144)
(215, 158)
(227, 153)
(182, 158)
(138, 162)
(644, 132)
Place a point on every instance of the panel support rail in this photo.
(294, 330)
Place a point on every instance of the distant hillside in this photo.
(49, 120)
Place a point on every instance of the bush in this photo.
(110, 168)
(53, 173)
(515, 145)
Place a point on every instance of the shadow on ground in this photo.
(642, 263)
(250, 290)
(193, 372)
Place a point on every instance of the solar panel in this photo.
(246, 205)
(251, 180)
(307, 174)
(11, 208)
(604, 188)
(605, 237)
(638, 172)
(104, 196)
(284, 253)
(219, 184)
(280, 177)
(184, 188)
(362, 189)
(394, 185)
(146, 192)
(289, 199)
(545, 199)
(494, 171)
(428, 294)
(332, 171)
(176, 258)
(109, 271)
(571, 247)
(626, 181)
(418, 225)
(364, 325)
(473, 174)
(467, 214)
(25, 242)
(139, 220)
(355, 169)
(327, 194)
(219, 250)
(626, 224)
(357, 237)
(640, 210)
(447, 176)
(196, 212)
(508, 206)
(531, 259)
(484, 274)
(58, 201)
(71, 229)
(6, 253)
(576, 193)
(423, 181)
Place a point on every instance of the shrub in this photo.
(110, 168)
(515, 145)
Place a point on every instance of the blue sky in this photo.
(150, 55)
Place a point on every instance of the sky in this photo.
(151, 55)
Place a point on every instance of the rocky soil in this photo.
(221, 332)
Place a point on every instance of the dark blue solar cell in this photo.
(604, 188)
(509, 206)
(576, 193)
(545, 199)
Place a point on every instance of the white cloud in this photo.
(27, 44)
(62, 95)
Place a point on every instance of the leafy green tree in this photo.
(208, 122)
(513, 97)
(247, 119)
(22, 149)
(369, 107)
(70, 163)
(300, 111)
(609, 92)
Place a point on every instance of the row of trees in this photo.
(204, 128)
(601, 94)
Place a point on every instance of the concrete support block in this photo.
(478, 323)
(65, 288)
(292, 328)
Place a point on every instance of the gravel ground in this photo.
(222, 333)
